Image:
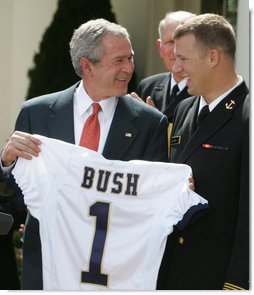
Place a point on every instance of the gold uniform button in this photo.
(181, 240)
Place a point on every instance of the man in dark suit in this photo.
(102, 56)
(166, 90)
(9, 279)
(214, 253)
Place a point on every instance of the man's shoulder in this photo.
(49, 98)
(183, 107)
(187, 103)
(140, 108)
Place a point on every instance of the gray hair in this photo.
(179, 16)
(211, 31)
(87, 41)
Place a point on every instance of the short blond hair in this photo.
(211, 31)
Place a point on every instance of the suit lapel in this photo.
(161, 92)
(207, 129)
(222, 113)
(122, 132)
(170, 108)
(62, 121)
(189, 123)
(166, 93)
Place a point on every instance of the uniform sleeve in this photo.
(238, 271)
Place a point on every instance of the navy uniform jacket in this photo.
(214, 252)
(52, 116)
(158, 87)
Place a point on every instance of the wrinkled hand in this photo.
(134, 95)
(22, 145)
(149, 100)
(191, 184)
(21, 228)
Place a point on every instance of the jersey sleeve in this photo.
(181, 203)
(34, 180)
(189, 205)
(168, 184)
(37, 176)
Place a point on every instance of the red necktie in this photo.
(90, 136)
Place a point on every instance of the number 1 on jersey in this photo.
(94, 276)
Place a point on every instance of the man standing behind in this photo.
(102, 56)
(166, 90)
(213, 254)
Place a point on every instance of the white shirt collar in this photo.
(181, 84)
(84, 102)
(213, 104)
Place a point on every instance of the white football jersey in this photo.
(103, 223)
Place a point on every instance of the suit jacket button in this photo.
(181, 240)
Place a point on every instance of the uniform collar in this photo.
(213, 104)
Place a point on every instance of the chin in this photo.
(192, 91)
(123, 91)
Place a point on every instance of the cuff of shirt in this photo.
(6, 170)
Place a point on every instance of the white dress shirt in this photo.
(83, 109)
(181, 84)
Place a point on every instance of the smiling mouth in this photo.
(122, 79)
(188, 81)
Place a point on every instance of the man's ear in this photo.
(158, 43)
(85, 65)
(214, 56)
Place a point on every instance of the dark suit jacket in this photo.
(52, 116)
(158, 87)
(215, 249)
(9, 279)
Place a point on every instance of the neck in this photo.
(93, 93)
(221, 84)
(178, 78)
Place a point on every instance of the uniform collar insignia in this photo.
(229, 105)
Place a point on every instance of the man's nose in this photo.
(177, 67)
(129, 66)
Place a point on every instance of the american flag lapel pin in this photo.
(128, 134)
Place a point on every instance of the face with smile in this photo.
(110, 76)
(193, 61)
(166, 44)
